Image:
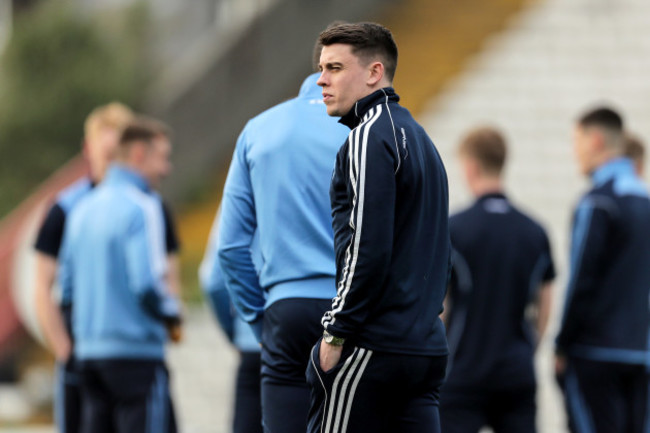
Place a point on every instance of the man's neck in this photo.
(487, 185)
(602, 159)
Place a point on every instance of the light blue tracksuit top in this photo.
(214, 287)
(278, 185)
(113, 263)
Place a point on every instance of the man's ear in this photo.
(375, 73)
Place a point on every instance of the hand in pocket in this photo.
(329, 355)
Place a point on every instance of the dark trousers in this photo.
(126, 396)
(291, 326)
(375, 392)
(467, 410)
(67, 399)
(248, 406)
(606, 397)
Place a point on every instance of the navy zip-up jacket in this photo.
(606, 315)
(501, 259)
(389, 199)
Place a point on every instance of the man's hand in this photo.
(62, 349)
(48, 313)
(175, 332)
(329, 355)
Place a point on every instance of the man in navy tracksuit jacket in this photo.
(603, 347)
(501, 266)
(381, 361)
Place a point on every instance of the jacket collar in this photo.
(611, 169)
(119, 173)
(363, 105)
(491, 195)
(494, 202)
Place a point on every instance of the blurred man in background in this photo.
(277, 187)
(113, 265)
(501, 265)
(635, 150)
(247, 417)
(381, 360)
(102, 130)
(602, 348)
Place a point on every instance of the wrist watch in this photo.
(330, 339)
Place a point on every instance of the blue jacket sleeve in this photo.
(591, 224)
(146, 264)
(368, 172)
(220, 302)
(236, 232)
(213, 284)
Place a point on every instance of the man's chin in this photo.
(332, 111)
(336, 111)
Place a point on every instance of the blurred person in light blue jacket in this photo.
(278, 189)
(247, 417)
(114, 270)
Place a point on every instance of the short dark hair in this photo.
(318, 47)
(603, 117)
(487, 146)
(368, 41)
(142, 129)
(606, 120)
(633, 148)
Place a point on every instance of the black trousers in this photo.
(67, 393)
(606, 397)
(248, 406)
(126, 396)
(291, 326)
(375, 392)
(507, 410)
(67, 398)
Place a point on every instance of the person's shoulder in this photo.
(380, 129)
(71, 195)
(462, 214)
(394, 123)
(600, 197)
(135, 197)
(269, 122)
(399, 116)
(80, 211)
(529, 221)
(272, 114)
(464, 218)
